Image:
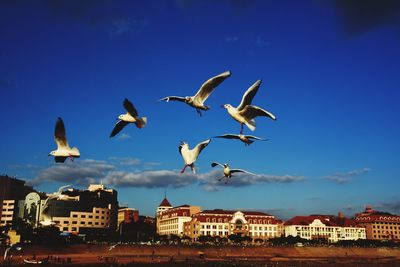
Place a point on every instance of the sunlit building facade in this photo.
(326, 227)
(171, 221)
(222, 223)
(379, 225)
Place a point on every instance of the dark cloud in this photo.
(342, 178)
(83, 172)
(360, 16)
(391, 206)
(149, 179)
(210, 180)
(88, 171)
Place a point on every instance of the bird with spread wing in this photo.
(197, 101)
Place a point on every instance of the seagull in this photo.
(245, 112)
(63, 150)
(47, 219)
(228, 171)
(190, 156)
(112, 247)
(244, 138)
(131, 116)
(197, 101)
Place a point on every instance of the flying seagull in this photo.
(45, 216)
(131, 116)
(197, 101)
(63, 149)
(112, 247)
(228, 171)
(244, 138)
(245, 112)
(190, 156)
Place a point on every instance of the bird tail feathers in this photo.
(76, 152)
(251, 124)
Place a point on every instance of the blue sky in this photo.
(329, 72)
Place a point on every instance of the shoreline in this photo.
(181, 255)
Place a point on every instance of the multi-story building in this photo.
(329, 227)
(170, 221)
(8, 211)
(379, 225)
(127, 215)
(85, 211)
(222, 223)
(11, 190)
(164, 205)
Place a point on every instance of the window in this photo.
(83, 216)
(74, 215)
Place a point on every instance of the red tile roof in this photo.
(165, 203)
(328, 220)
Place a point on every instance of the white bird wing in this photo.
(208, 87)
(228, 136)
(240, 170)
(250, 112)
(59, 135)
(216, 163)
(197, 149)
(255, 137)
(130, 108)
(249, 95)
(118, 127)
(61, 189)
(173, 98)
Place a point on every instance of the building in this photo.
(379, 225)
(328, 227)
(11, 190)
(171, 220)
(222, 223)
(93, 210)
(127, 215)
(164, 205)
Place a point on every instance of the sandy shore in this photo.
(142, 255)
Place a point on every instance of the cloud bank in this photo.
(342, 178)
(89, 171)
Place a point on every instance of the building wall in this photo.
(171, 221)
(98, 218)
(12, 188)
(223, 224)
(317, 229)
(384, 227)
(8, 210)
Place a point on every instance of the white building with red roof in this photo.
(222, 223)
(329, 227)
(170, 221)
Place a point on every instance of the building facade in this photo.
(11, 189)
(85, 211)
(379, 225)
(328, 227)
(222, 223)
(127, 215)
(164, 205)
(171, 221)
